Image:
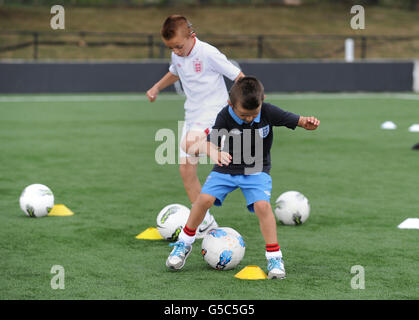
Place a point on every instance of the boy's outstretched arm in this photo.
(308, 123)
(167, 80)
(211, 150)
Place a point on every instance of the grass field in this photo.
(97, 155)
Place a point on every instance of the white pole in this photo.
(349, 50)
(416, 76)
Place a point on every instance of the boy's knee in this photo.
(205, 200)
(188, 169)
(183, 169)
(190, 144)
(262, 206)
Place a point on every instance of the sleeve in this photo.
(222, 65)
(172, 68)
(279, 117)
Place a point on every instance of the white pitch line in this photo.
(327, 96)
(175, 97)
(86, 98)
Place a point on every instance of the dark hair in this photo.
(248, 91)
(174, 23)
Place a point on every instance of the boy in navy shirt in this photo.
(239, 144)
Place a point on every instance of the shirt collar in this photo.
(193, 49)
(240, 121)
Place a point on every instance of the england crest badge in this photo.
(197, 65)
(264, 131)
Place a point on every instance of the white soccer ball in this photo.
(36, 200)
(292, 208)
(171, 220)
(223, 248)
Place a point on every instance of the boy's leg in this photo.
(199, 208)
(267, 221)
(183, 247)
(273, 253)
(188, 167)
(188, 170)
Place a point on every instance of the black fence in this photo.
(121, 46)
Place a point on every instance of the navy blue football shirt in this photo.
(249, 144)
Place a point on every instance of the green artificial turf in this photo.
(98, 157)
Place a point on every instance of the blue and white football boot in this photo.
(177, 257)
(276, 269)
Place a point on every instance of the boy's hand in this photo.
(152, 94)
(224, 158)
(309, 123)
(219, 157)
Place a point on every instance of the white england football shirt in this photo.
(201, 74)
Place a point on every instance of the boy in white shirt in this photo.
(200, 67)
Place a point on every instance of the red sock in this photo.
(273, 251)
(189, 232)
(274, 247)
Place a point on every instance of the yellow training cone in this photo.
(150, 234)
(60, 210)
(251, 273)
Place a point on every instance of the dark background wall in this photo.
(61, 77)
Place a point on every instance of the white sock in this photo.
(189, 240)
(270, 255)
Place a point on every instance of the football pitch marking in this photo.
(174, 97)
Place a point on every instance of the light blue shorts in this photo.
(255, 187)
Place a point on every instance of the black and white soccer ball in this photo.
(292, 208)
(36, 200)
(171, 220)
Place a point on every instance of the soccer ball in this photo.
(223, 248)
(292, 208)
(171, 220)
(36, 200)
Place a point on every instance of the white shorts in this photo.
(204, 127)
